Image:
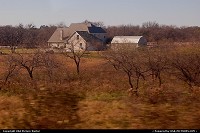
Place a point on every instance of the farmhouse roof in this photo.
(56, 35)
(96, 30)
(67, 32)
(79, 26)
(87, 27)
(126, 39)
(88, 37)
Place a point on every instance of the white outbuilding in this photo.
(136, 41)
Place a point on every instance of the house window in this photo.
(77, 37)
(81, 46)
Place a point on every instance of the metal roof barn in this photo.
(140, 40)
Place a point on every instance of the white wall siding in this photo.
(77, 44)
(57, 45)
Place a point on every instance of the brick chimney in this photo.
(61, 34)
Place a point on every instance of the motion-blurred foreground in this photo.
(56, 97)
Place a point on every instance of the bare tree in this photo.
(97, 23)
(130, 62)
(51, 64)
(77, 48)
(11, 69)
(187, 67)
(29, 63)
(157, 63)
(76, 56)
(61, 25)
(11, 36)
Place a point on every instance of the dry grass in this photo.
(11, 111)
(96, 114)
(97, 99)
(124, 112)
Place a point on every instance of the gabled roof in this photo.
(56, 35)
(88, 37)
(79, 26)
(96, 30)
(126, 39)
(67, 32)
(87, 27)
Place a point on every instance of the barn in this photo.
(131, 41)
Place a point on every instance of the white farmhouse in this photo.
(83, 35)
(82, 40)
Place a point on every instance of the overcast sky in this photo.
(111, 12)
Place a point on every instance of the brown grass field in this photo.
(96, 99)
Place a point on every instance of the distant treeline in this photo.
(157, 33)
(25, 36)
(29, 36)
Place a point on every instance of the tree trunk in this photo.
(129, 80)
(77, 66)
(30, 72)
(137, 85)
(6, 79)
(12, 49)
(160, 80)
(131, 85)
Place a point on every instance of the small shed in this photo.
(135, 41)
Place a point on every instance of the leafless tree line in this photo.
(16, 62)
(141, 64)
(155, 32)
(156, 64)
(29, 63)
(25, 36)
(30, 36)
